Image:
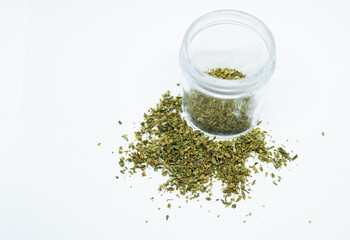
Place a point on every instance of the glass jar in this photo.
(226, 39)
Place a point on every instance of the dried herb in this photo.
(220, 116)
(125, 137)
(226, 73)
(191, 161)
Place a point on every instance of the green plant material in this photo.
(167, 217)
(120, 123)
(121, 162)
(322, 133)
(220, 116)
(125, 136)
(226, 73)
(192, 161)
(98, 144)
(120, 150)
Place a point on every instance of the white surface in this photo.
(69, 70)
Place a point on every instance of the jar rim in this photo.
(216, 86)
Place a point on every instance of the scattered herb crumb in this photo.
(322, 133)
(125, 136)
(169, 205)
(98, 144)
(120, 123)
(167, 217)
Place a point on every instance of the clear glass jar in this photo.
(226, 39)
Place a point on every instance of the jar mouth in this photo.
(215, 86)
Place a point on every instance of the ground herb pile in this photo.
(190, 161)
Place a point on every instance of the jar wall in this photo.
(228, 46)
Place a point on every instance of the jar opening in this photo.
(228, 38)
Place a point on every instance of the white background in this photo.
(69, 70)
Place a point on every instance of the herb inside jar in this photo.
(219, 116)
